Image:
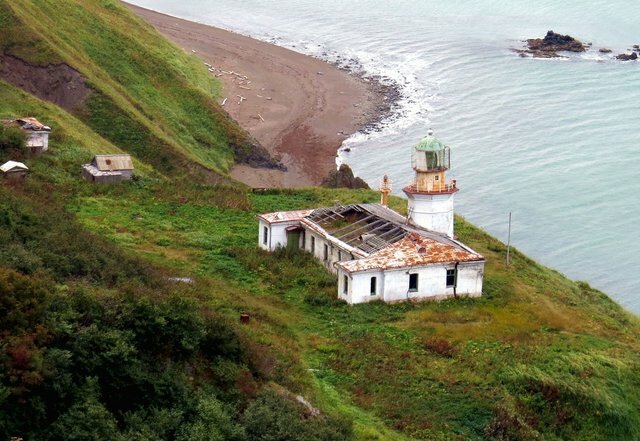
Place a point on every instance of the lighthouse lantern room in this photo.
(430, 194)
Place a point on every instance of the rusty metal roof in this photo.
(413, 250)
(284, 216)
(113, 162)
(31, 123)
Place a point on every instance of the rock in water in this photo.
(605, 50)
(551, 44)
(627, 57)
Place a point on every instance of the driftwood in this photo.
(224, 101)
(261, 117)
(244, 87)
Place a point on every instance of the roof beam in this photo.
(339, 230)
(362, 228)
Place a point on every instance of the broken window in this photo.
(413, 282)
(451, 278)
(313, 244)
(345, 285)
(373, 287)
(265, 235)
(326, 252)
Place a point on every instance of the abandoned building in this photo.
(379, 254)
(108, 169)
(13, 170)
(37, 134)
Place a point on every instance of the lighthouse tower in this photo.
(430, 195)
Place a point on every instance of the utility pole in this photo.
(509, 242)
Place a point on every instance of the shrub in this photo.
(12, 138)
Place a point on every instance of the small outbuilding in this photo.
(13, 170)
(37, 134)
(108, 169)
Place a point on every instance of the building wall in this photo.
(433, 212)
(38, 141)
(393, 285)
(335, 253)
(276, 234)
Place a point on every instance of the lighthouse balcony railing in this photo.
(435, 187)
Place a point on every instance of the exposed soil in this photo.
(58, 83)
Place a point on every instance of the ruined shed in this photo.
(37, 134)
(13, 170)
(108, 169)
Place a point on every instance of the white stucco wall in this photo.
(38, 139)
(335, 253)
(433, 212)
(277, 234)
(393, 285)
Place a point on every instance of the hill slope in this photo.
(98, 343)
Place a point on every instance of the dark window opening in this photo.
(326, 252)
(413, 282)
(313, 244)
(265, 235)
(437, 178)
(451, 278)
(373, 286)
(339, 255)
(345, 285)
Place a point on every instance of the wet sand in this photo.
(298, 107)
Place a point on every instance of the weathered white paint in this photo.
(335, 253)
(393, 285)
(38, 140)
(432, 211)
(276, 235)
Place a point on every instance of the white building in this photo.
(37, 134)
(379, 254)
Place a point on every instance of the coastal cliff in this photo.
(121, 305)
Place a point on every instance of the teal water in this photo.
(556, 142)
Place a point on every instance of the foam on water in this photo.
(554, 141)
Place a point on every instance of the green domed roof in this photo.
(430, 144)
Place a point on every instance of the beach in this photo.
(298, 107)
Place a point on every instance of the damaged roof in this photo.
(30, 123)
(412, 250)
(284, 216)
(377, 235)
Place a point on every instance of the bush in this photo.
(12, 138)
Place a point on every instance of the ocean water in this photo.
(555, 142)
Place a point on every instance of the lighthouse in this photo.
(430, 195)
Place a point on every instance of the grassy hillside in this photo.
(97, 343)
(146, 96)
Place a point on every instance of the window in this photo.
(313, 244)
(326, 252)
(451, 278)
(265, 235)
(373, 286)
(437, 178)
(345, 285)
(413, 282)
(339, 255)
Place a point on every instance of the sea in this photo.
(554, 142)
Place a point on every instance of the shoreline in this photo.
(299, 107)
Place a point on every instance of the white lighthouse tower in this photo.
(430, 195)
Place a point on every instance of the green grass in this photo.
(536, 357)
(151, 98)
(562, 354)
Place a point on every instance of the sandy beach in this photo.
(298, 107)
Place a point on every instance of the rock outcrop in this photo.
(627, 57)
(343, 178)
(551, 44)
